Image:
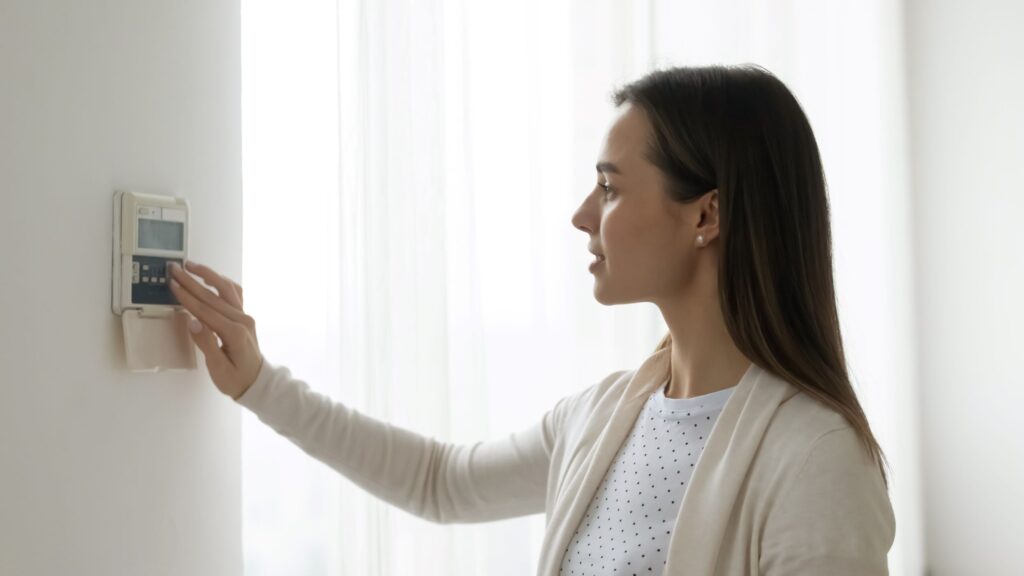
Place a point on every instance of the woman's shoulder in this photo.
(802, 414)
(799, 422)
(598, 398)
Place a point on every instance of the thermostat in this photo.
(150, 232)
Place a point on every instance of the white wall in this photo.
(103, 471)
(966, 95)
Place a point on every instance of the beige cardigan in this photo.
(783, 487)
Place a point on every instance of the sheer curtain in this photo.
(410, 171)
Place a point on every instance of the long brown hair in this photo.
(740, 130)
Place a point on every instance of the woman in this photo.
(710, 202)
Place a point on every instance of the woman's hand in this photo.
(235, 361)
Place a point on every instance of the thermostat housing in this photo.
(150, 231)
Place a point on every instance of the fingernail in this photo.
(173, 266)
(195, 326)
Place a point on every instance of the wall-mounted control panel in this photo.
(150, 231)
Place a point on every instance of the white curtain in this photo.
(410, 171)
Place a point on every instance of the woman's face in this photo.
(647, 239)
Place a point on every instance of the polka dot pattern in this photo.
(629, 522)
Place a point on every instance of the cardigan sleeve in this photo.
(437, 481)
(834, 518)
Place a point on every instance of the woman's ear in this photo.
(707, 226)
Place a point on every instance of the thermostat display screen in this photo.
(161, 234)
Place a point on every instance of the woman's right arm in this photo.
(435, 480)
(438, 481)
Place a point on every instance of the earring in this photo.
(700, 240)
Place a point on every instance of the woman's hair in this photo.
(740, 130)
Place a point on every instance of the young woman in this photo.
(738, 447)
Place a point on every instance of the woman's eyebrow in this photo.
(608, 167)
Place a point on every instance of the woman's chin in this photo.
(600, 295)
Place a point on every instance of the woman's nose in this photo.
(578, 223)
(580, 219)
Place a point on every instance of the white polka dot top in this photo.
(629, 522)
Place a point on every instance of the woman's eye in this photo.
(607, 188)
